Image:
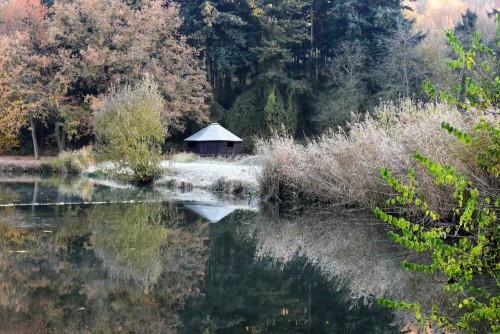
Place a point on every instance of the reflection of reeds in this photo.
(7, 195)
(350, 249)
(71, 186)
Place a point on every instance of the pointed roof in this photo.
(213, 132)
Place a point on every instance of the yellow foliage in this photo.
(7, 142)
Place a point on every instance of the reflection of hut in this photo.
(210, 212)
(214, 140)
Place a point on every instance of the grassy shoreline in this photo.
(234, 176)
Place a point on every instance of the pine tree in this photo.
(220, 29)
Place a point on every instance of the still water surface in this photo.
(149, 263)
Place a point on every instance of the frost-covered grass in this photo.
(237, 177)
(343, 166)
(184, 157)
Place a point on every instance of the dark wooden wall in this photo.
(215, 148)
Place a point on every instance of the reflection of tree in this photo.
(185, 255)
(12, 239)
(59, 285)
(128, 237)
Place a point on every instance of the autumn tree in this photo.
(24, 16)
(106, 43)
(23, 68)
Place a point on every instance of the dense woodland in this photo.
(255, 66)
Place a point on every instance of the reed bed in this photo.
(343, 166)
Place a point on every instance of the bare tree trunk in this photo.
(63, 139)
(60, 147)
(405, 68)
(33, 136)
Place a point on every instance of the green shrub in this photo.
(465, 248)
(130, 128)
(8, 142)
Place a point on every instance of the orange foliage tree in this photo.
(102, 43)
(23, 79)
(55, 65)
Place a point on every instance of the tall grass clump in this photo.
(343, 166)
(71, 162)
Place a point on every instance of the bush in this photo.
(72, 162)
(129, 129)
(464, 246)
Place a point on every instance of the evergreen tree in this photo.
(220, 29)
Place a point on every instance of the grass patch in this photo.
(71, 162)
(184, 157)
(234, 187)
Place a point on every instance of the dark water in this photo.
(156, 265)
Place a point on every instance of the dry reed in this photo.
(343, 166)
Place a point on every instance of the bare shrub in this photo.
(343, 166)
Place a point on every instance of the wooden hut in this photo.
(214, 140)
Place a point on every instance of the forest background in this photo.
(255, 66)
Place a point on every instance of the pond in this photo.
(84, 256)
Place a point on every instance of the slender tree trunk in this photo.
(405, 63)
(33, 136)
(60, 148)
(312, 30)
(63, 139)
(461, 97)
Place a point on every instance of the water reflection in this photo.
(212, 213)
(352, 249)
(159, 267)
(128, 238)
(101, 269)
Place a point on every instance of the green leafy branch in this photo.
(473, 251)
(481, 87)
